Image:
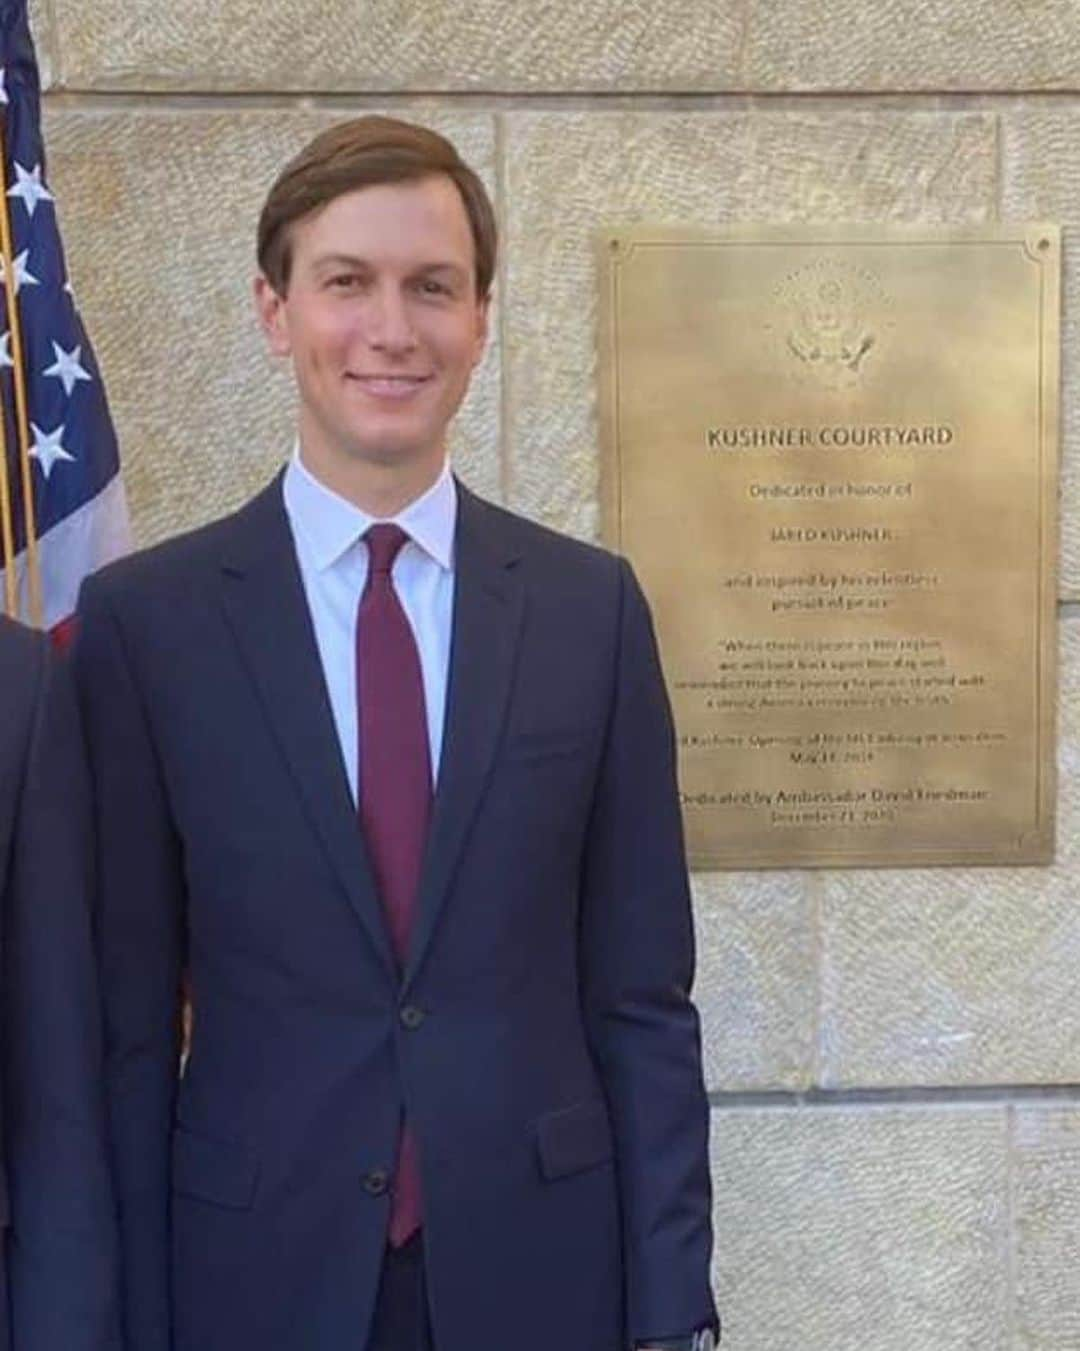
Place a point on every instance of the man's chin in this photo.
(390, 452)
(390, 456)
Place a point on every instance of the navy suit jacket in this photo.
(58, 1277)
(541, 1039)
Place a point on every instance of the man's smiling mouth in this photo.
(389, 386)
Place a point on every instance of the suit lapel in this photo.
(267, 610)
(488, 609)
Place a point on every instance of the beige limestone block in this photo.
(861, 1229)
(158, 210)
(371, 45)
(911, 45)
(41, 29)
(1046, 1205)
(1041, 181)
(961, 976)
(756, 979)
(569, 174)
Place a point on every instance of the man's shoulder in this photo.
(23, 652)
(544, 547)
(168, 570)
(20, 647)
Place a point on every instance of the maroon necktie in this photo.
(395, 788)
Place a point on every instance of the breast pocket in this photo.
(527, 748)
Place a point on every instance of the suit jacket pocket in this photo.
(528, 747)
(213, 1170)
(574, 1139)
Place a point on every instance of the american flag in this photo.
(64, 443)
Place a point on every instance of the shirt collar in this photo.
(331, 524)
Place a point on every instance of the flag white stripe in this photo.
(86, 540)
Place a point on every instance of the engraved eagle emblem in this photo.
(829, 321)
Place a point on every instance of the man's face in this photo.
(381, 320)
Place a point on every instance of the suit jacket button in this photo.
(411, 1017)
(376, 1182)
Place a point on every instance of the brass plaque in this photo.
(831, 456)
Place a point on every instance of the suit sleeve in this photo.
(140, 937)
(61, 1246)
(637, 966)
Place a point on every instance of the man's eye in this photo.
(430, 287)
(345, 281)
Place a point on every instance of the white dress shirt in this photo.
(327, 530)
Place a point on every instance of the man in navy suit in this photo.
(388, 773)
(58, 1277)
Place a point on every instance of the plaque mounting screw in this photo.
(1044, 244)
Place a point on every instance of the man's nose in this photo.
(389, 321)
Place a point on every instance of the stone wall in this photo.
(893, 1056)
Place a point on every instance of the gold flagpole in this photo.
(22, 417)
(7, 534)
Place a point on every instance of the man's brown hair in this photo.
(360, 154)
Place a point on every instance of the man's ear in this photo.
(270, 308)
(483, 315)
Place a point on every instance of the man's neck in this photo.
(379, 490)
